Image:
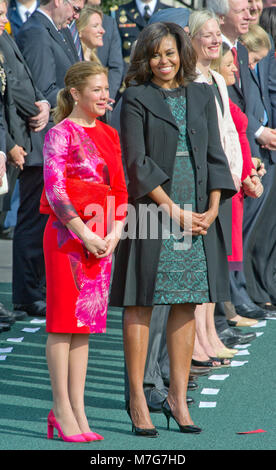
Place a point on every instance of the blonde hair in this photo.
(82, 22)
(256, 39)
(198, 18)
(76, 77)
(216, 63)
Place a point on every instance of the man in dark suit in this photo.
(260, 259)
(19, 11)
(131, 18)
(48, 54)
(48, 51)
(33, 114)
(25, 114)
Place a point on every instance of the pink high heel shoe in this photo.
(53, 423)
(93, 436)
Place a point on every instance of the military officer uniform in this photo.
(131, 21)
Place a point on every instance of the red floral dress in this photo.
(82, 172)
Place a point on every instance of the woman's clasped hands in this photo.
(195, 223)
(102, 247)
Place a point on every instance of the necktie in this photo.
(236, 62)
(146, 13)
(27, 14)
(76, 38)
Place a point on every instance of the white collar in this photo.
(141, 6)
(230, 44)
(22, 9)
(47, 16)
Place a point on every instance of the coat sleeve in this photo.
(118, 183)
(143, 173)
(219, 175)
(272, 84)
(2, 128)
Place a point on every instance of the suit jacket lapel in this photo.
(18, 53)
(151, 99)
(195, 105)
(254, 76)
(69, 38)
(56, 35)
(261, 69)
(14, 46)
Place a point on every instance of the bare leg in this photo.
(180, 344)
(136, 336)
(57, 353)
(78, 359)
(213, 338)
(203, 350)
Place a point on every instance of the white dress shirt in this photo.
(141, 6)
(22, 10)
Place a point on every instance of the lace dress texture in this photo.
(182, 269)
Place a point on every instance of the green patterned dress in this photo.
(182, 273)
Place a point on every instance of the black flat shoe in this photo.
(209, 363)
(224, 362)
(4, 327)
(199, 371)
(250, 312)
(190, 428)
(190, 401)
(269, 307)
(192, 385)
(6, 316)
(151, 432)
(36, 309)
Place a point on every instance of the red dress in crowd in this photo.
(83, 171)
(241, 123)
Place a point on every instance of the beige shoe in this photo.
(243, 321)
(226, 353)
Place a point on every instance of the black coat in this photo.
(149, 141)
(20, 78)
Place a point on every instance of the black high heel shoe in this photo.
(190, 428)
(152, 432)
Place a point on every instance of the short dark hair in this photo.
(148, 43)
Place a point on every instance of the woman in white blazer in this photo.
(206, 38)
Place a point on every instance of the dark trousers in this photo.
(250, 286)
(157, 363)
(28, 258)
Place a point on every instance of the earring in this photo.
(75, 103)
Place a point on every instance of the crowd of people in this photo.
(139, 149)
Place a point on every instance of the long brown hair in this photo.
(148, 44)
(76, 77)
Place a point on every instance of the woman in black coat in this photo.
(172, 151)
